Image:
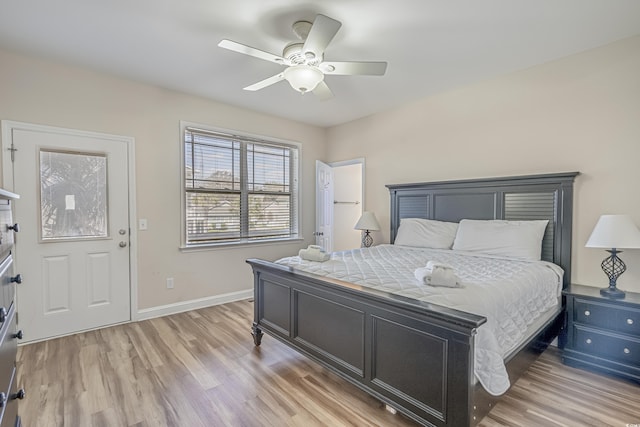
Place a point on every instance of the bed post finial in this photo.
(257, 334)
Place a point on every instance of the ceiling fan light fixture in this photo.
(303, 78)
(304, 59)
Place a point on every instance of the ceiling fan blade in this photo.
(354, 68)
(251, 51)
(322, 32)
(266, 82)
(322, 91)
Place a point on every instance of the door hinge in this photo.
(13, 150)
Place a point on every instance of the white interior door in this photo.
(324, 206)
(73, 245)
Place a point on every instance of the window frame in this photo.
(295, 183)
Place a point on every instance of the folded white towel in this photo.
(432, 264)
(436, 274)
(314, 253)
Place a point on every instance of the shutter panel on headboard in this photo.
(531, 206)
(411, 206)
(408, 204)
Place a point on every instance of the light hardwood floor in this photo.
(201, 368)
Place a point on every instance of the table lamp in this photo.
(615, 232)
(367, 222)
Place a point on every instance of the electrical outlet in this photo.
(169, 282)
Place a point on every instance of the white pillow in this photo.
(426, 233)
(515, 239)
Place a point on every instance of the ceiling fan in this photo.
(304, 59)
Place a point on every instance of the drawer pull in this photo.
(14, 227)
(588, 341)
(3, 399)
(19, 395)
(18, 334)
(587, 313)
(629, 321)
(16, 279)
(3, 314)
(627, 351)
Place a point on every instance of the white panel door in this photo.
(73, 245)
(324, 206)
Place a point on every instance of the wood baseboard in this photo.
(182, 306)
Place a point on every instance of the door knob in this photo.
(19, 395)
(122, 244)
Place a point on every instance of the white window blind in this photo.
(238, 188)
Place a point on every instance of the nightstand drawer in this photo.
(620, 348)
(626, 320)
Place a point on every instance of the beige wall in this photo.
(43, 92)
(580, 113)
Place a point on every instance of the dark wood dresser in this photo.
(9, 392)
(603, 333)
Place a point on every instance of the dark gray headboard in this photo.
(514, 198)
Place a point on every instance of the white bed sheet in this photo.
(511, 294)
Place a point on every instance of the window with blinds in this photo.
(238, 189)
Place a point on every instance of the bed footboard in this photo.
(414, 356)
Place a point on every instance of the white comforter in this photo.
(510, 294)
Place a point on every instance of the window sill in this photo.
(239, 245)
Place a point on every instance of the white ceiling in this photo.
(431, 45)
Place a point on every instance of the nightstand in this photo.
(603, 333)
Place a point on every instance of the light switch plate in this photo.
(142, 224)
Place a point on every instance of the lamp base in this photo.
(613, 267)
(367, 240)
(612, 292)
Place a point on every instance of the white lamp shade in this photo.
(367, 221)
(303, 78)
(614, 231)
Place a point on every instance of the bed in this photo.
(416, 356)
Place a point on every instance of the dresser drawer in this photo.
(605, 316)
(7, 285)
(8, 349)
(9, 410)
(6, 235)
(7, 288)
(614, 347)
